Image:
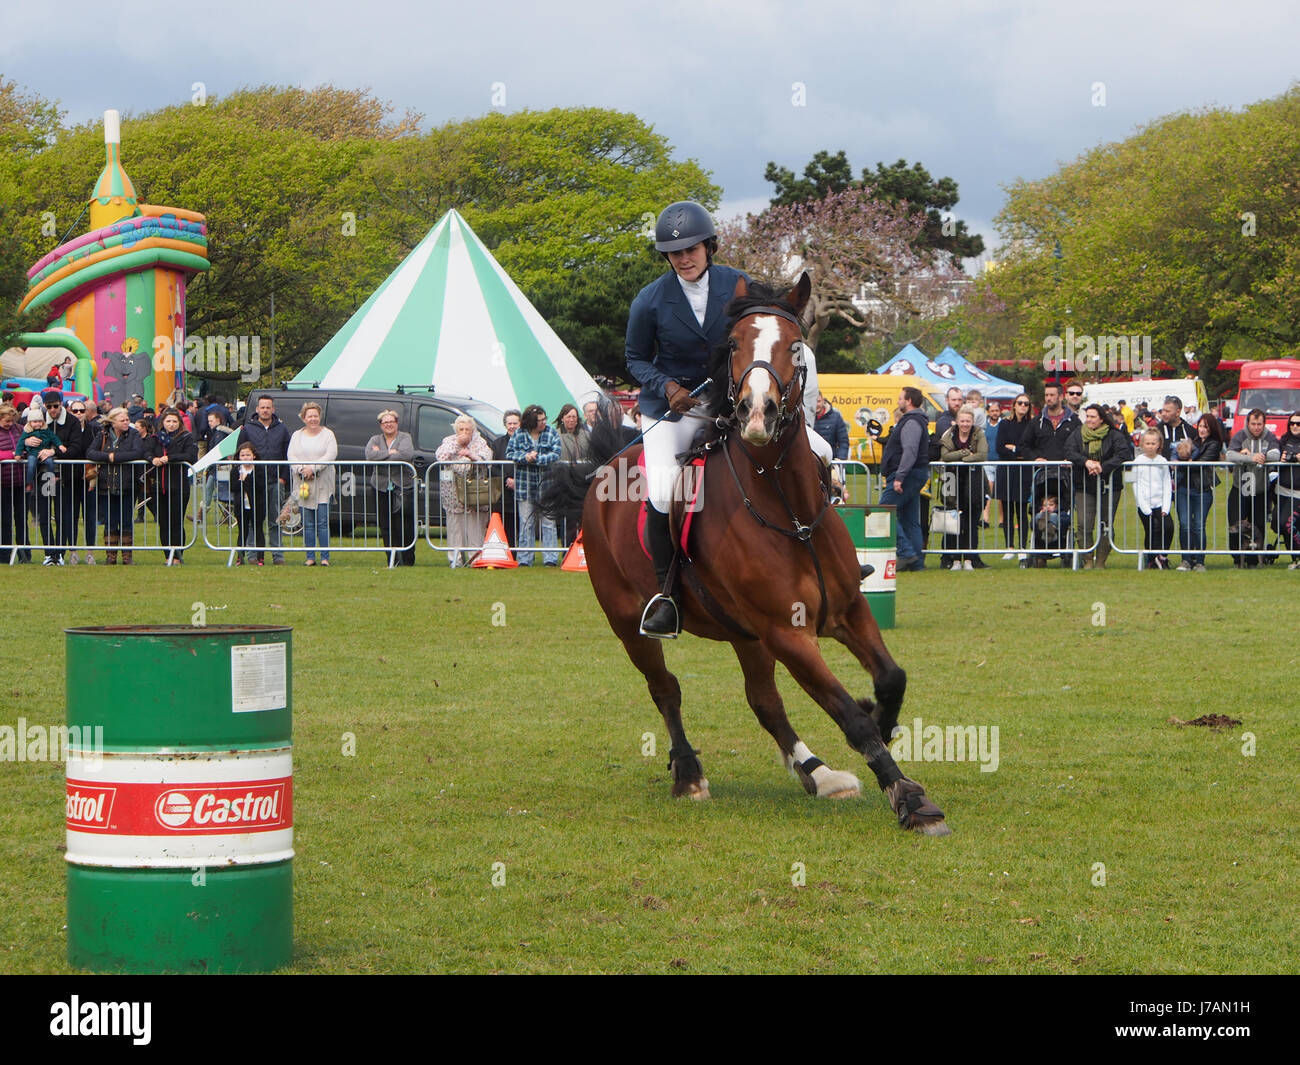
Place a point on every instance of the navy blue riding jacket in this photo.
(665, 342)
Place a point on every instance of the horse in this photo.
(771, 565)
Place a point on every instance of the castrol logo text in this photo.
(241, 807)
(90, 808)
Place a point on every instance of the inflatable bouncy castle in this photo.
(115, 296)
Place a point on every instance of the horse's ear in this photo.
(797, 297)
(742, 289)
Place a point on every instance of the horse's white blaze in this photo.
(756, 386)
(759, 381)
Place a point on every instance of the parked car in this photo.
(352, 414)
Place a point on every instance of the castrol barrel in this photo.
(874, 531)
(180, 798)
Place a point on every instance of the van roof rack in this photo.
(284, 385)
(403, 389)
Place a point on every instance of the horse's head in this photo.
(766, 358)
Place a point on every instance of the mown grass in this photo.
(522, 743)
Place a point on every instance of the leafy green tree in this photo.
(825, 174)
(317, 195)
(548, 192)
(28, 124)
(911, 187)
(1188, 232)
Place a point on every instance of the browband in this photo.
(778, 311)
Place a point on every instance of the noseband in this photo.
(785, 416)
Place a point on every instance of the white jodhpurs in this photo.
(819, 446)
(664, 440)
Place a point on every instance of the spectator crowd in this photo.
(75, 478)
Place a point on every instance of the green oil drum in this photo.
(179, 798)
(874, 532)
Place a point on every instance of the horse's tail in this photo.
(569, 482)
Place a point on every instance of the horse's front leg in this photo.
(648, 656)
(861, 635)
(765, 700)
(800, 655)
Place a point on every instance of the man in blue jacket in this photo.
(672, 329)
(832, 428)
(904, 469)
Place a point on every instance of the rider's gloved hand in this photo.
(679, 399)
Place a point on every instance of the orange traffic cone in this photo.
(575, 559)
(496, 549)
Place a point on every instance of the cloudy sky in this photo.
(984, 91)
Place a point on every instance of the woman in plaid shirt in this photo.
(534, 447)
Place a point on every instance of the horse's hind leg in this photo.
(861, 635)
(765, 700)
(799, 654)
(648, 656)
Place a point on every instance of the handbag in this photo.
(947, 522)
(288, 512)
(478, 489)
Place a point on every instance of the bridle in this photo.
(798, 530)
(785, 417)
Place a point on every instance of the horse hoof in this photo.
(697, 789)
(837, 784)
(915, 811)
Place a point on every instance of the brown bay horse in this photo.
(772, 567)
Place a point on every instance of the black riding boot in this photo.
(661, 619)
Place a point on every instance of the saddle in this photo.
(684, 506)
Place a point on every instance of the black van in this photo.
(352, 414)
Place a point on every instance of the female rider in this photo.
(673, 327)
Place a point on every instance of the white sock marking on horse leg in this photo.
(801, 752)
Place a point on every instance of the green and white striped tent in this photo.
(451, 317)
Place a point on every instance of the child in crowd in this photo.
(1048, 523)
(252, 505)
(36, 438)
(1154, 490)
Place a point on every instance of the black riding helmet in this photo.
(683, 225)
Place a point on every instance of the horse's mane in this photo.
(761, 294)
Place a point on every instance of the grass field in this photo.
(522, 744)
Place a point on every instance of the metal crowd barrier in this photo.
(249, 514)
(861, 484)
(461, 497)
(66, 519)
(1003, 512)
(1209, 502)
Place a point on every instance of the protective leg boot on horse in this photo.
(661, 619)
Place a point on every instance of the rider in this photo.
(672, 329)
